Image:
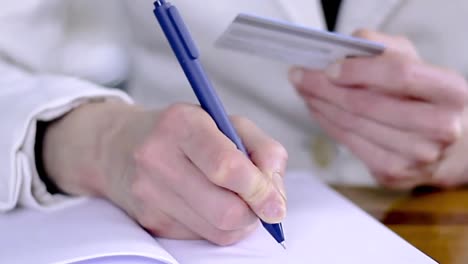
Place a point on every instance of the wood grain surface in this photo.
(434, 221)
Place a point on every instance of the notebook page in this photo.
(321, 227)
(93, 229)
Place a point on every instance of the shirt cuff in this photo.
(57, 96)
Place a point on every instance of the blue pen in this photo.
(187, 53)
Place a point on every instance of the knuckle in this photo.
(454, 127)
(427, 155)
(405, 71)
(180, 119)
(447, 127)
(233, 216)
(459, 88)
(278, 150)
(226, 238)
(179, 111)
(226, 162)
(421, 149)
(174, 120)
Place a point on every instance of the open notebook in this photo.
(321, 227)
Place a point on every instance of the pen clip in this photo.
(159, 3)
(183, 32)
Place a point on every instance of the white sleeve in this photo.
(42, 45)
(25, 99)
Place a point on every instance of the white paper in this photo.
(292, 44)
(321, 227)
(93, 229)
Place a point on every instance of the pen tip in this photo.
(283, 245)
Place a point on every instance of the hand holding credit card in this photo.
(293, 44)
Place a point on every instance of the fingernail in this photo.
(333, 71)
(274, 212)
(296, 75)
(279, 185)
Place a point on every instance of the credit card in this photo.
(292, 44)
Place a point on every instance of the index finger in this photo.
(398, 76)
(224, 165)
(393, 44)
(266, 153)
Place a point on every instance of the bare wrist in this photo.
(76, 146)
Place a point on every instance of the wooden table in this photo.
(434, 221)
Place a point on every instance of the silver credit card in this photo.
(292, 44)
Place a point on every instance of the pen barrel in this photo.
(210, 101)
(187, 55)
